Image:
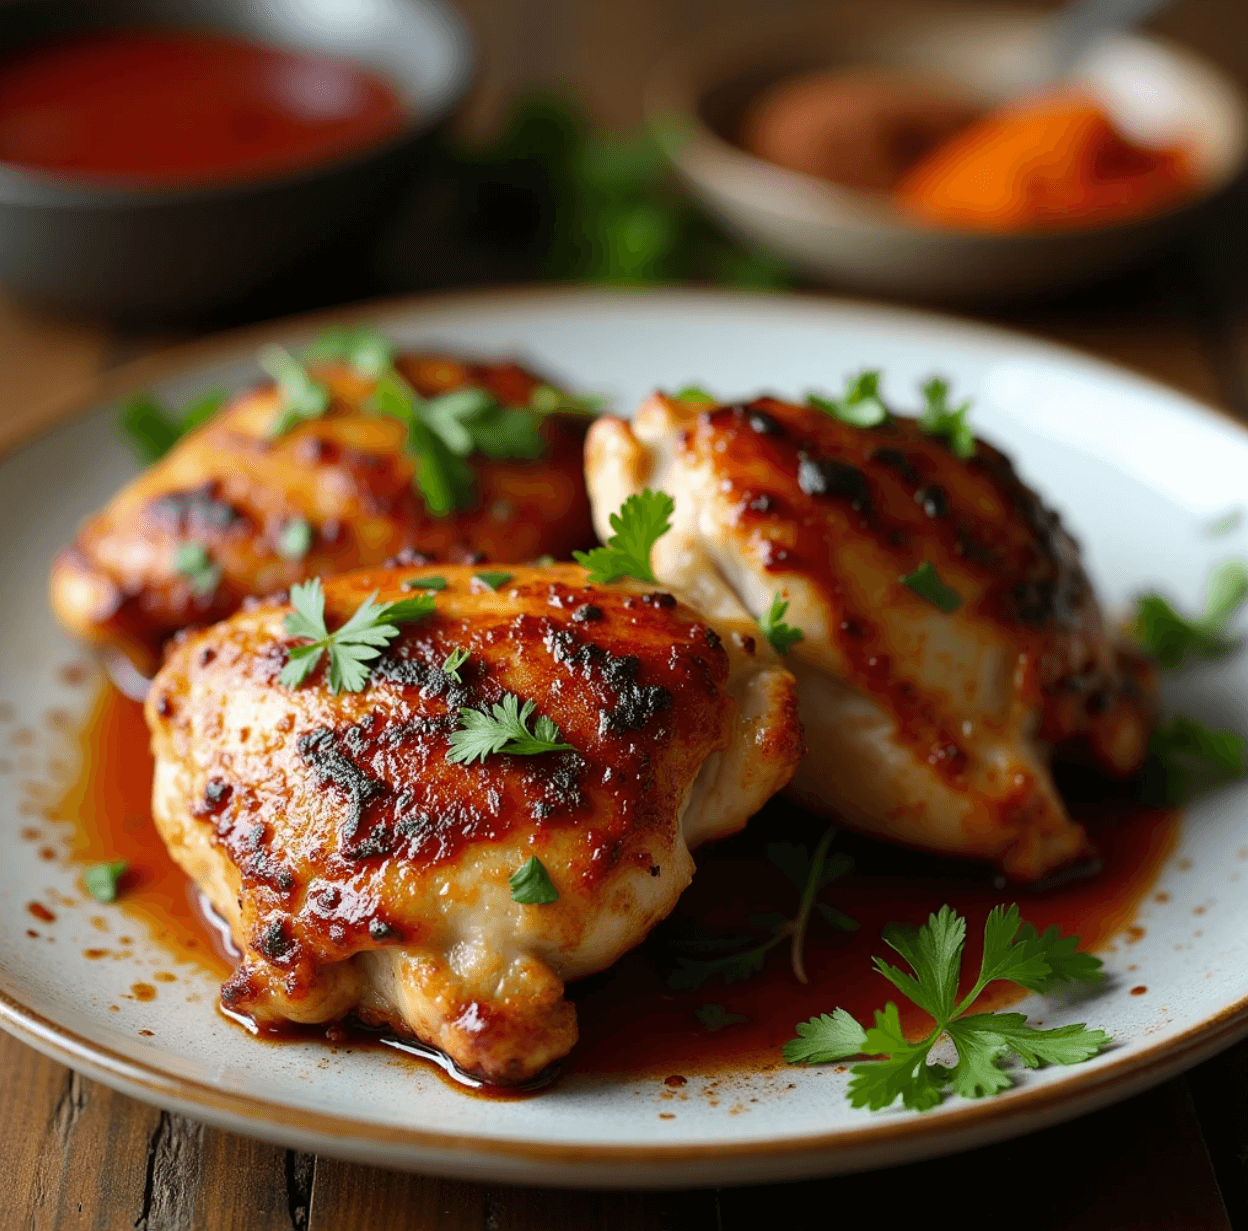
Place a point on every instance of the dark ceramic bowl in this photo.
(156, 253)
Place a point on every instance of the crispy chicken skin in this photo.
(232, 490)
(362, 872)
(928, 729)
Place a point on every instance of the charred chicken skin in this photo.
(927, 727)
(364, 872)
(232, 491)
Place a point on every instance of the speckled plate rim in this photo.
(878, 1142)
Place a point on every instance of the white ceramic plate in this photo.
(1137, 471)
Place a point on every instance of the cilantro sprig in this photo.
(859, 405)
(1013, 952)
(700, 957)
(642, 520)
(783, 637)
(504, 728)
(351, 647)
(926, 583)
(103, 880)
(950, 422)
(1186, 757)
(153, 429)
(365, 351)
(1174, 639)
(300, 398)
(531, 884)
(195, 563)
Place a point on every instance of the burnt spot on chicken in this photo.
(398, 665)
(199, 510)
(587, 613)
(634, 703)
(836, 480)
(763, 424)
(931, 498)
(896, 461)
(217, 794)
(332, 767)
(555, 785)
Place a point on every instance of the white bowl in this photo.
(1158, 93)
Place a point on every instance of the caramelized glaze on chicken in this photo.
(925, 728)
(362, 872)
(232, 490)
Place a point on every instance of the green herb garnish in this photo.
(926, 583)
(810, 875)
(547, 400)
(294, 540)
(782, 636)
(153, 430)
(530, 886)
(353, 646)
(694, 393)
(103, 879)
(642, 520)
(453, 661)
(1173, 639)
(1225, 524)
(941, 419)
(1186, 757)
(1012, 952)
(493, 580)
(425, 583)
(859, 405)
(365, 351)
(300, 397)
(504, 729)
(716, 1017)
(194, 563)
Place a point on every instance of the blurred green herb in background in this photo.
(549, 199)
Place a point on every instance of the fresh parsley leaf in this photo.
(493, 580)
(1173, 639)
(810, 874)
(859, 405)
(445, 481)
(194, 563)
(547, 400)
(642, 520)
(453, 661)
(503, 729)
(425, 583)
(543, 561)
(300, 397)
(294, 540)
(103, 879)
(716, 1017)
(530, 886)
(352, 647)
(1186, 757)
(782, 636)
(926, 583)
(153, 430)
(365, 351)
(694, 393)
(941, 419)
(1013, 951)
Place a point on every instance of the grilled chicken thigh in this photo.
(362, 871)
(928, 728)
(232, 491)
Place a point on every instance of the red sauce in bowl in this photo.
(164, 108)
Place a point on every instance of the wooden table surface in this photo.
(75, 1154)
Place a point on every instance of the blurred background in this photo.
(173, 167)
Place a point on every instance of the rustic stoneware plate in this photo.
(1137, 470)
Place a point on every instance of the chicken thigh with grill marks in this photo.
(233, 491)
(925, 726)
(363, 871)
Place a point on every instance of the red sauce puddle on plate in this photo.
(168, 107)
(631, 1023)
